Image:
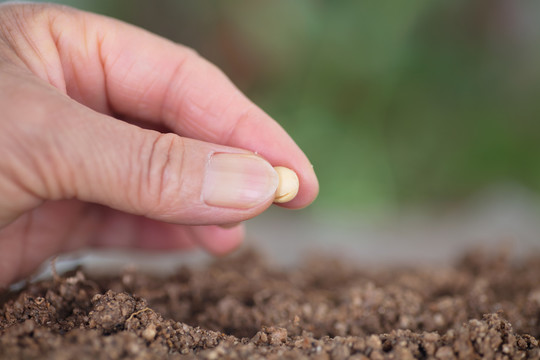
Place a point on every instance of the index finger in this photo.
(140, 75)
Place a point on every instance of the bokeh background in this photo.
(400, 105)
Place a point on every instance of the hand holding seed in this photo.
(62, 78)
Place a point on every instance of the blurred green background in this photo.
(397, 104)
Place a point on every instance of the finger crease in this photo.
(163, 112)
(238, 122)
(100, 39)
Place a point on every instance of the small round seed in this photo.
(288, 185)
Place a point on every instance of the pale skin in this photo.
(79, 165)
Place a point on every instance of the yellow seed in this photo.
(288, 185)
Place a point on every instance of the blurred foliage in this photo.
(416, 102)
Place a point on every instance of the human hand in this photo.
(79, 165)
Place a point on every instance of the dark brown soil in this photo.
(240, 307)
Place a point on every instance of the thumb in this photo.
(81, 154)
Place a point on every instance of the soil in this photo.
(484, 306)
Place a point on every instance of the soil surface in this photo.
(242, 307)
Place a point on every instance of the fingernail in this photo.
(239, 181)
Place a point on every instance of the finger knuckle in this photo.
(160, 179)
(27, 18)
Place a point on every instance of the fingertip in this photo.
(264, 136)
(219, 240)
(229, 225)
